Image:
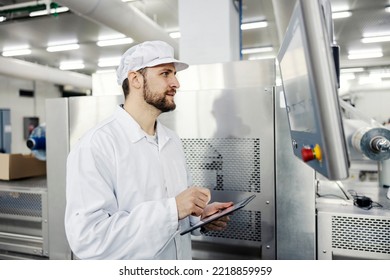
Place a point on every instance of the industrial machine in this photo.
(352, 218)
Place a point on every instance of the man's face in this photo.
(160, 84)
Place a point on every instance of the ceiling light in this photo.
(52, 11)
(351, 70)
(16, 52)
(256, 50)
(72, 65)
(101, 71)
(376, 39)
(114, 42)
(254, 25)
(129, 0)
(261, 57)
(109, 62)
(175, 35)
(60, 48)
(343, 14)
(365, 54)
(111, 37)
(2, 18)
(387, 9)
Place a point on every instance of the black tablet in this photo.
(219, 214)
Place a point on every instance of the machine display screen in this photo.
(296, 84)
(308, 74)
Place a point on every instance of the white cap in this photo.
(147, 54)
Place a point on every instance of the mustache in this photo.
(170, 92)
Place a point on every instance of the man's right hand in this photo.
(192, 201)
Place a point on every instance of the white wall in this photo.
(24, 106)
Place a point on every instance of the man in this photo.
(129, 192)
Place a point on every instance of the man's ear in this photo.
(135, 79)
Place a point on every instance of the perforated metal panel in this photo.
(243, 225)
(21, 204)
(224, 164)
(228, 164)
(361, 234)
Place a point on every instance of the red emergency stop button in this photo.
(307, 154)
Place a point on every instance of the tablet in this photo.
(220, 214)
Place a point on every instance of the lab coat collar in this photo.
(135, 131)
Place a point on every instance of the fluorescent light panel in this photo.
(111, 37)
(365, 54)
(60, 48)
(52, 11)
(257, 50)
(102, 71)
(109, 62)
(72, 65)
(341, 14)
(16, 52)
(114, 42)
(387, 9)
(351, 70)
(254, 25)
(376, 39)
(261, 57)
(3, 19)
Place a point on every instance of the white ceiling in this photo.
(368, 16)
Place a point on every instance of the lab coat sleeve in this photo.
(95, 227)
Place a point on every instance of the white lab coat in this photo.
(120, 193)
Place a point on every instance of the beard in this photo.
(158, 100)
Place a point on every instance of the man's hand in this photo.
(221, 223)
(192, 201)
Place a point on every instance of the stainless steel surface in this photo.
(67, 120)
(57, 148)
(224, 116)
(295, 194)
(23, 217)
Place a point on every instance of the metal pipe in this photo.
(31, 71)
(121, 17)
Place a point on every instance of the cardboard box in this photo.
(16, 166)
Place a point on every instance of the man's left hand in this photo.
(210, 209)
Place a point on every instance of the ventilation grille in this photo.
(224, 164)
(361, 234)
(243, 225)
(21, 204)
